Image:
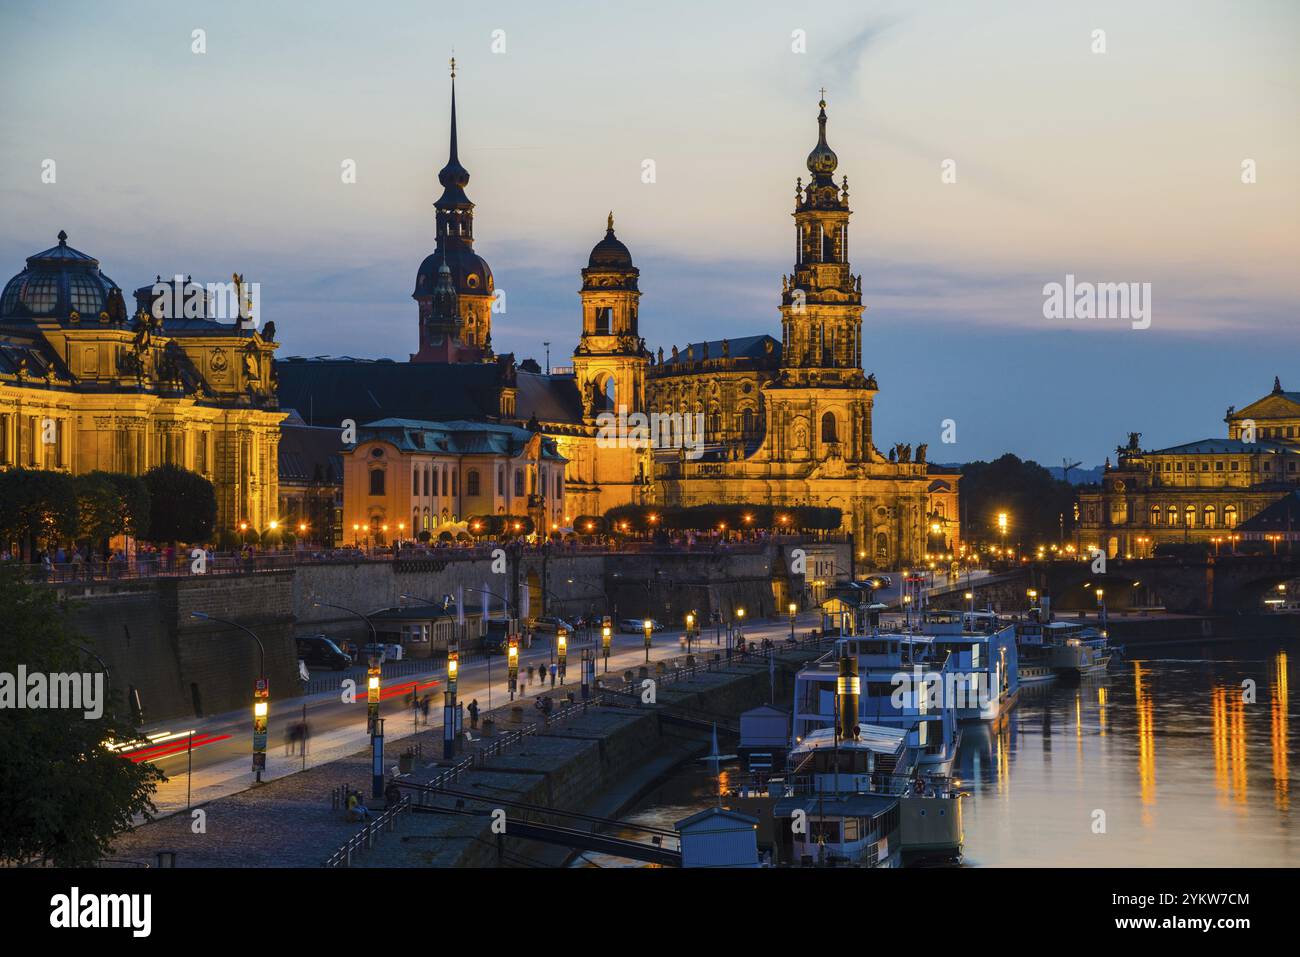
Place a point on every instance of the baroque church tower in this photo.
(819, 407)
(610, 360)
(456, 313)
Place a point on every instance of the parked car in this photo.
(552, 624)
(320, 651)
(636, 626)
(382, 651)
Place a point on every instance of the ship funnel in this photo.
(847, 690)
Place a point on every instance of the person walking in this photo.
(554, 671)
(473, 713)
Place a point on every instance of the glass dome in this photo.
(57, 282)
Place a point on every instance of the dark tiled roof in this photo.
(310, 454)
(1282, 516)
(745, 347)
(327, 391)
(1224, 447)
(553, 398)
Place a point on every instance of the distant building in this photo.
(1198, 491)
(407, 479)
(719, 837)
(86, 385)
(311, 481)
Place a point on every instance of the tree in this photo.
(66, 795)
(182, 505)
(1034, 501)
(134, 502)
(37, 506)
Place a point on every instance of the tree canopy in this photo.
(182, 505)
(1035, 502)
(37, 503)
(66, 794)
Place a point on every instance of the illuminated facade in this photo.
(1199, 491)
(789, 422)
(405, 477)
(84, 385)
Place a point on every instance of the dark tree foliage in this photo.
(1034, 501)
(37, 505)
(65, 794)
(182, 505)
(110, 503)
(495, 526)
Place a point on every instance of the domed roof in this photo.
(58, 281)
(469, 271)
(822, 160)
(610, 253)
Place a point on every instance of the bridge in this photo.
(1223, 584)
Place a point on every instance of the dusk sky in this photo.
(1122, 166)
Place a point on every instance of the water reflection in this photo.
(1169, 745)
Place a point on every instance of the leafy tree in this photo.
(133, 501)
(99, 511)
(1034, 501)
(66, 795)
(37, 506)
(182, 505)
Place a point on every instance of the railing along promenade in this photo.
(186, 564)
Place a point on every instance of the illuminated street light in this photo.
(794, 608)
(562, 651)
(649, 626)
(606, 638)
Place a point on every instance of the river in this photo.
(1182, 755)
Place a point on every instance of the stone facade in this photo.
(1199, 491)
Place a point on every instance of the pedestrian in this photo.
(554, 671)
(424, 708)
(473, 713)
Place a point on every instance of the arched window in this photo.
(1155, 514)
(501, 480)
(559, 485)
(747, 422)
(519, 481)
(1172, 512)
(1230, 516)
(471, 482)
(376, 481)
(455, 483)
(882, 547)
(1211, 516)
(415, 519)
(1190, 512)
(425, 520)
(829, 433)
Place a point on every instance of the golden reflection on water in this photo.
(1219, 738)
(1279, 727)
(1146, 740)
(1101, 710)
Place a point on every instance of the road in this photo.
(222, 744)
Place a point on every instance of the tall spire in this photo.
(453, 177)
(822, 160)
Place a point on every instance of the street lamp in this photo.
(794, 608)
(690, 626)
(562, 651)
(261, 693)
(606, 637)
(649, 627)
(512, 666)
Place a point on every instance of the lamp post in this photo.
(734, 632)
(1101, 610)
(512, 666)
(261, 694)
(562, 651)
(794, 608)
(648, 626)
(606, 638)
(690, 627)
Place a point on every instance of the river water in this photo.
(1182, 755)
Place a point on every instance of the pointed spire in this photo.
(453, 175)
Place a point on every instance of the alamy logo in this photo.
(73, 910)
(1102, 300)
(947, 689)
(185, 299)
(658, 430)
(37, 690)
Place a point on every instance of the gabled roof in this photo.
(456, 437)
(1282, 516)
(327, 391)
(550, 398)
(1277, 404)
(715, 813)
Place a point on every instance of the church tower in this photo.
(610, 360)
(466, 335)
(819, 408)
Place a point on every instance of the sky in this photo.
(1121, 164)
